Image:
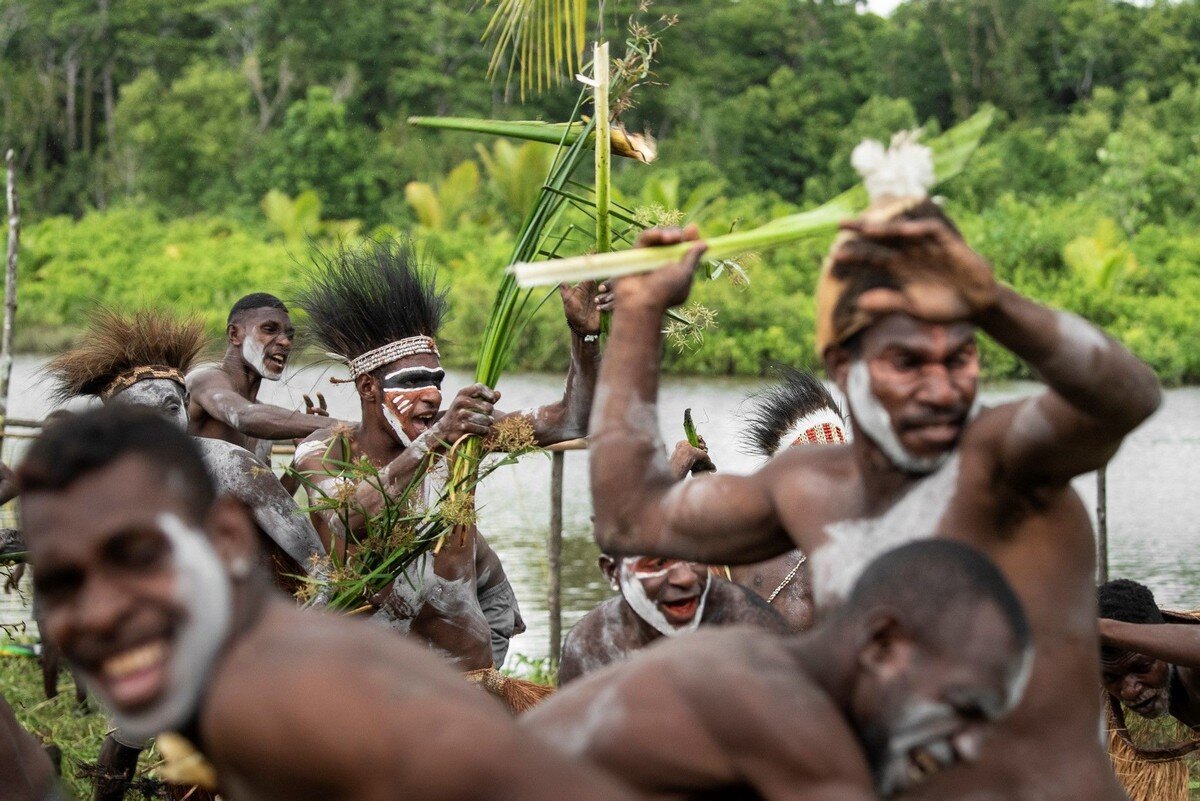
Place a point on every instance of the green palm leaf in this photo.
(539, 40)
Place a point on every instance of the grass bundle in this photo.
(950, 153)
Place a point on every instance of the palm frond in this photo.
(538, 40)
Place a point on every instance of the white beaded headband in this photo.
(823, 426)
(393, 351)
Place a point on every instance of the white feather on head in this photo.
(903, 170)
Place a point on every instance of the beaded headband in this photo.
(130, 377)
(393, 351)
(823, 427)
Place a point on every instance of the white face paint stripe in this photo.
(436, 373)
(396, 425)
(253, 353)
(635, 595)
(203, 587)
(876, 424)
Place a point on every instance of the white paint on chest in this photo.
(854, 544)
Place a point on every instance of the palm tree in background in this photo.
(540, 41)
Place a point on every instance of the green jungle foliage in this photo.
(186, 152)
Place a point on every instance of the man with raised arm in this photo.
(900, 303)
(152, 587)
(224, 397)
(899, 684)
(377, 308)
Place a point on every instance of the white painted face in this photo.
(634, 591)
(253, 353)
(873, 421)
(161, 395)
(412, 397)
(203, 588)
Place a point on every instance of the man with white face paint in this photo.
(140, 359)
(375, 307)
(899, 303)
(224, 397)
(658, 598)
(152, 587)
(897, 685)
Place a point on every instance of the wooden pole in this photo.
(1102, 523)
(554, 557)
(10, 287)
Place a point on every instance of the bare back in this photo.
(310, 706)
(723, 713)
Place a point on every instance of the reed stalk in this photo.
(951, 151)
(639, 147)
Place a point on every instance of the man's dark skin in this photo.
(272, 719)
(613, 630)
(741, 713)
(465, 567)
(1003, 487)
(224, 398)
(26, 773)
(1141, 674)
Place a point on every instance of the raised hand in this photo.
(582, 305)
(668, 286)
(321, 410)
(471, 412)
(941, 278)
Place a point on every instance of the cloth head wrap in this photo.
(130, 377)
(393, 351)
(897, 180)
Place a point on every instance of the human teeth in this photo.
(133, 660)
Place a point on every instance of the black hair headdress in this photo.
(775, 411)
(365, 302)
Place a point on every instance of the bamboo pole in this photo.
(554, 557)
(600, 74)
(1102, 523)
(10, 286)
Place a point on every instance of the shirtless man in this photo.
(658, 598)
(141, 359)
(796, 412)
(1149, 665)
(153, 588)
(900, 302)
(223, 401)
(26, 773)
(380, 311)
(894, 686)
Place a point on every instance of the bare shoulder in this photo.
(589, 644)
(307, 692)
(318, 449)
(814, 470)
(730, 603)
(207, 377)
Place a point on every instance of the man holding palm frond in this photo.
(377, 309)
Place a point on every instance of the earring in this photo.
(240, 569)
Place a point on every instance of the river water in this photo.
(1153, 485)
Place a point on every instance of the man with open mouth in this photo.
(152, 586)
(139, 358)
(658, 598)
(1150, 665)
(379, 310)
(896, 686)
(224, 397)
(901, 300)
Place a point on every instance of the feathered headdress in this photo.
(374, 304)
(119, 349)
(898, 179)
(796, 411)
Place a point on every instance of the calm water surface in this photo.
(1153, 485)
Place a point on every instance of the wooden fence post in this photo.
(10, 287)
(1102, 523)
(554, 557)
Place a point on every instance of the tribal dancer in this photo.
(153, 587)
(141, 359)
(377, 309)
(901, 682)
(798, 411)
(899, 303)
(658, 598)
(224, 398)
